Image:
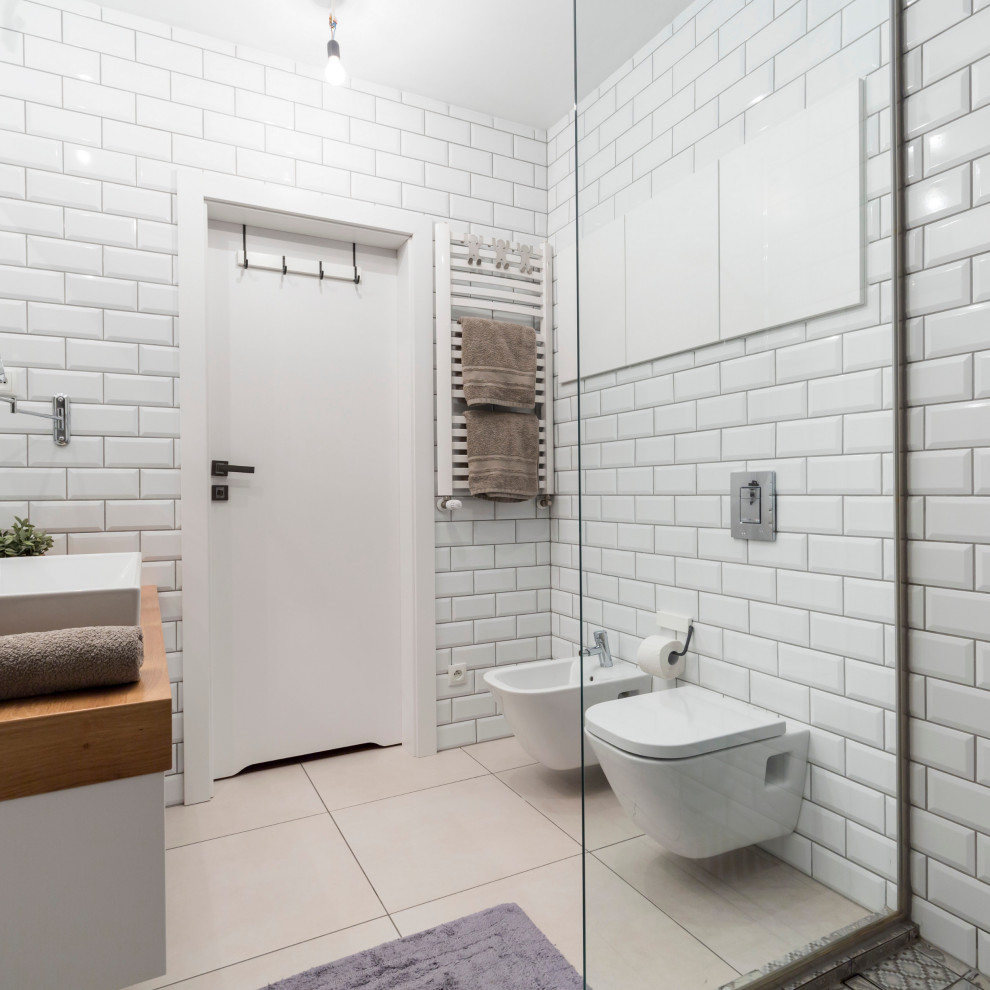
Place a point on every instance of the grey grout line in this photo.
(281, 948)
(343, 837)
(587, 852)
(417, 790)
(667, 916)
(487, 883)
(244, 831)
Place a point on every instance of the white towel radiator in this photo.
(481, 276)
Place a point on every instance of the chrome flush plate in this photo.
(752, 499)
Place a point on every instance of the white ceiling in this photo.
(510, 58)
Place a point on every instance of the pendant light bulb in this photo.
(334, 71)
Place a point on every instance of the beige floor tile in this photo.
(786, 899)
(748, 906)
(500, 754)
(374, 774)
(420, 846)
(550, 895)
(279, 965)
(558, 796)
(244, 895)
(249, 800)
(701, 904)
(632, 945)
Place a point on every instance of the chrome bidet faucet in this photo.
(600, 649)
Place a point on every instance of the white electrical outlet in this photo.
(14, 380)
(457, 674)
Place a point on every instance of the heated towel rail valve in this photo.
(59, 415)
(221, 469)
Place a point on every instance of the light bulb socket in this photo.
(333, 48)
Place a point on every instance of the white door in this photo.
(304, 558)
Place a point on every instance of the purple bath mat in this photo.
(496, 949)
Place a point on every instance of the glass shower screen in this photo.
(721, 208)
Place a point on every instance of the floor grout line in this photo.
(689, 933)
(281, 948)
(487, 883)
(391, 915)
(389, 797)
(246, 831)
(343, 837)
(537, 810)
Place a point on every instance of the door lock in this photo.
(219, 493)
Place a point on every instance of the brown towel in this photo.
(503, 451)
(499, 363)
(69, 659)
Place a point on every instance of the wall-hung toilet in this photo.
(700, 773)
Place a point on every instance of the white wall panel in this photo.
(672, 269)
(565, 268)
(602, 294)
(792, 236)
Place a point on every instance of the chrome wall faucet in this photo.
(600, 649)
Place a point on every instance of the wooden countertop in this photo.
(56, 741)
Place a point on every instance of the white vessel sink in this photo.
(97, 589)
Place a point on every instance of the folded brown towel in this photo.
(503, 450)
(499, 363)
(69, 659)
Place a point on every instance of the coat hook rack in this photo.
(285, 265)
(501, 248)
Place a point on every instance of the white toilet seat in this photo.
(679, 723)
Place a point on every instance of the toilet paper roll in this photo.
(654, 657)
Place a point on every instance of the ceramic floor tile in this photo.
(785, 898)
(249, 800)
(956, 965)
(279, 965)
(420, 846)
(632, 945)
(550, 895)
(701, 905)
(244, 895)
(558, 796)
(373, 774)
(747, 905)
(500, 754)
(911, 969)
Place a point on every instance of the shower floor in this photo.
(296, 865)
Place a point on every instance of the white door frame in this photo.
(203, 196)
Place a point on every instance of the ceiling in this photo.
(511, 58)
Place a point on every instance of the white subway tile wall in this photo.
(802, 626)
(948, 345)
(99, 113)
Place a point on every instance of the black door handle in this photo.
(220, 469)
